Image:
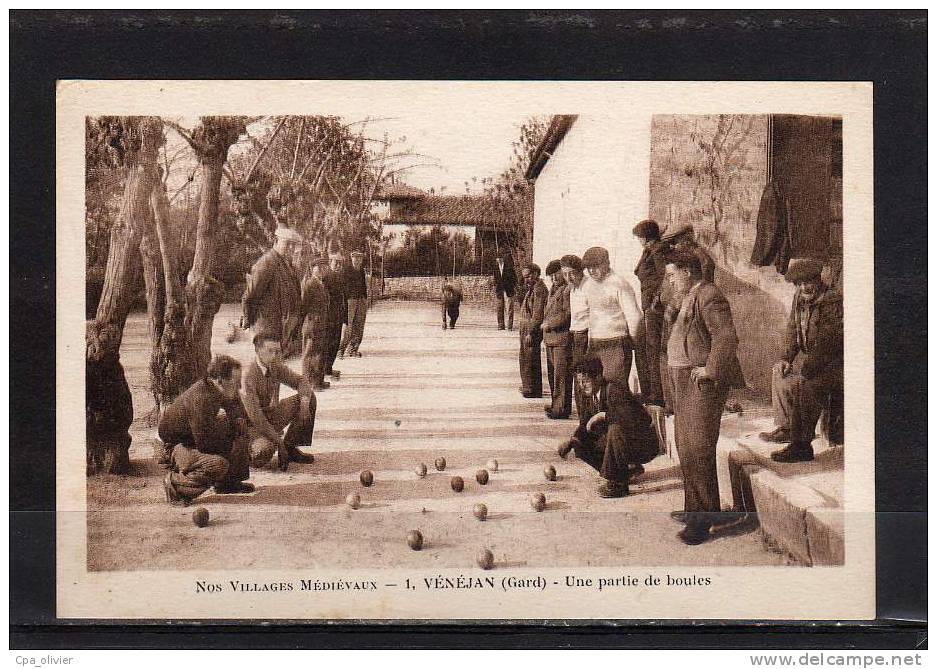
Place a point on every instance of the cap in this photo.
(534, 268)
(553, 267)
(289, 234)
(594, 256)
(572, 262)
(358, 253)
(675, 229)
(646, 229)
(803, 269)
(321, 260)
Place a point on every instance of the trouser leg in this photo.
(591, 451)
(510, 303)
(299, 424)
(524, 361)
(653, 393)
(453, 315)
(194, 472)
(335, 338)
(314, 359)
(349, 331)
(238, 461)
(616, 360)
(499, 309)
(442, 311)
(614, 462)
(361, 317)
(784, 390)
(535, 365)
(806, 408)
(641, 361)
(548, 350)
(561, 390)
(697, 416)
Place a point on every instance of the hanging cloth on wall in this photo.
(772, 230)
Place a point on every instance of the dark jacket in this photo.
(451, 294)
(621, 408)
(650, 272)
(506, 283)
(822, 349)
(711, 339)
(535, 301)
(556, 316)
(338, 302)
(271, 301)
(356, 283)
(315, 307)
(201, 418)
(772, 230)
(263, 391)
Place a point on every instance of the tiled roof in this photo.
(447, 210)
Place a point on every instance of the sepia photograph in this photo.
(436, 338)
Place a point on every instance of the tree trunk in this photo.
(108, 403)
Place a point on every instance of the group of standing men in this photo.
(234, 419)
(684, 345)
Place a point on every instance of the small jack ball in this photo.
(492, 465)
(415, 539)
(550, 472)
(538, 501)
(200, 516)
(367, 478)
(485, 559)
(480, 511)
(482, 476)
(457, 483)
(421, 470)
(440, 464)
(353, 500)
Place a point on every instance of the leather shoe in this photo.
(297, 455)
(794, 453)
(445, 327)
(235, 488)
(173, 496)
(335, 374)
(611, 490)
(679, 516)
(779, 435)
(530, 396)
(565, 448)
(556, 416)
(635, 471)
(323, 386)
(694, 535)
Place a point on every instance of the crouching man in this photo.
(450, 298)
(205, 433)
(268, 415)
(615, 435)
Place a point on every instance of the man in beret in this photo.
(577, 281)
(615, 435)
(271, 302)
(556, 337)
(614, 315)
(356, 292)
(703, 365)
(680, 237)
(315, 307)
(650, 272)
(531, 336)
(811, 371)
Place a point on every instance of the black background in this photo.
(886, 48)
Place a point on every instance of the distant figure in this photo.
(810, 376)
(650, 271)
(531, 336)
(316, 328)
(356, 292)
(614, 315)
(334, 282)
(704, 366)
(269, 415)
(505, 283)
(578, 319)
(615, 435)
(679, 237)
(450, 296)
(205, 433)
(558, 343)
(271, 301)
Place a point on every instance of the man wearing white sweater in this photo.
(614, 315)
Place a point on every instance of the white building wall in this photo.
(593, 190)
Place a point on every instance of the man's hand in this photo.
(595, 420)
(782, 367)
(700, 375)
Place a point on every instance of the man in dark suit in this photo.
(704, 366)
(271, 301)
(650, 272)
(615, 435)
(268, 415)
(356, 292)
(505, 281)
(558, 343)
(316, 329)
(334, 281)
(205, 432)
(811, 372)
(531, 336)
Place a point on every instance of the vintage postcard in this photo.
(425, 351)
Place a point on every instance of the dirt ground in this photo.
(417, 394)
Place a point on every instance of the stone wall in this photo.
(475, 288)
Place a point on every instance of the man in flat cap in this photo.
(614, 315)
(271, 302)
(650, 272)
(316, 326)
(681, 238)
(558, 343)
(505, 282)
(577, 281)
(531, 336)
(810, 374)
(356, 292)
(703, 364)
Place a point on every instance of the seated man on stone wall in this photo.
(615, 435)
(810, 376)
(269, 415)
(205, 434)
